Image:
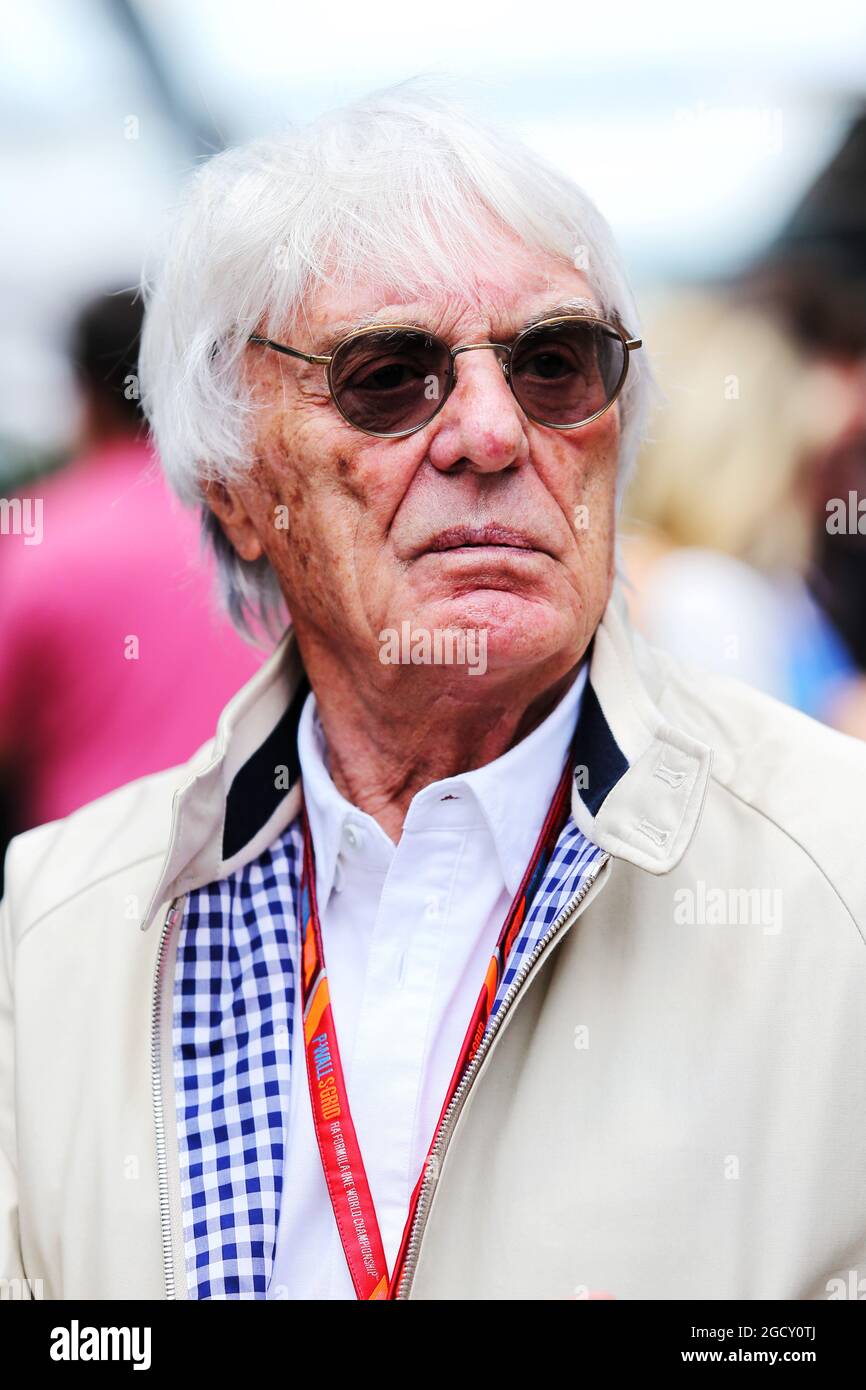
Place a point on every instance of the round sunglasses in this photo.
(390, 380)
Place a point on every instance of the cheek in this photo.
(335, 493)
(337, 472)
(580, 471)
(597, 455)
(304, 468)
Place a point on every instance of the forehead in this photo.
(498, 293)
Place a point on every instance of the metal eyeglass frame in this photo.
(326, 359)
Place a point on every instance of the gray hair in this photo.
(400, 186)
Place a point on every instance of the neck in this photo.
(389, 739)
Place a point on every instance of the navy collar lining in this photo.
(596, 750)
(253, 796)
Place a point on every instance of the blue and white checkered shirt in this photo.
(235, 1007)
(236, 976)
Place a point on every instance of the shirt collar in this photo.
(510, 795)
(328, 810)
(516, 789)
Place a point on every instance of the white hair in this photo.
(399, 188)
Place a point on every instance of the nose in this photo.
(481, 426)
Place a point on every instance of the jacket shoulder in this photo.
(800, 774)
(51, 864)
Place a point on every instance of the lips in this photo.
(469, 537)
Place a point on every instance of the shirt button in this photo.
(354, 836)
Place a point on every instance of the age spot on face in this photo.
(347, 476)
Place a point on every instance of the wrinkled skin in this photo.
(362, 511)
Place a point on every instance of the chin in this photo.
(549, 645)
(490, 631)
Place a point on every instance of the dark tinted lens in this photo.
(390, 381)
(564, 372)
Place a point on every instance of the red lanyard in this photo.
(343, 1165)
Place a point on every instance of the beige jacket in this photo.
(673, 1102)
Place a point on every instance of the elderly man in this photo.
(484, 952)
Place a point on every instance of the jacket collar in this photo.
(639, 786)
(640, 782)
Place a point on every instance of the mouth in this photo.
(468, 538)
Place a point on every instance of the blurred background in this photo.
(725, 144)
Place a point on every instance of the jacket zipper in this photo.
(443, 1133)
(158, 1106)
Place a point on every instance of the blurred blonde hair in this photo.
(726, 465)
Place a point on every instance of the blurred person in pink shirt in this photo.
(114, 659)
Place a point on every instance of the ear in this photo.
(230, 510)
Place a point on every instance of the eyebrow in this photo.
(578, 306)
(337, 332)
